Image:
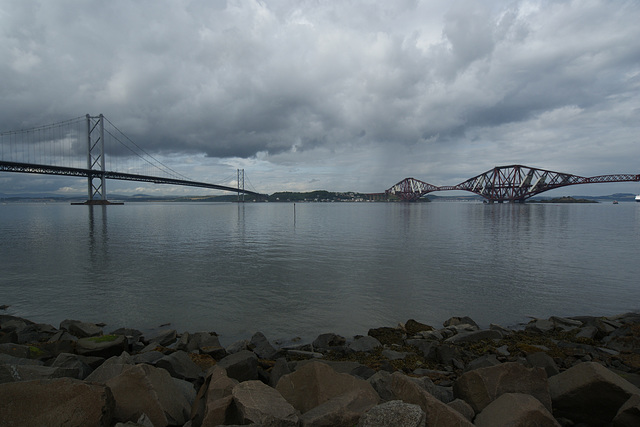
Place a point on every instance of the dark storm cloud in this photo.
(328, 83)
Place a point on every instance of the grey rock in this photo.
(381, 383)
(57, 402)
(328, 341)
(148, 357)
(315, 383)
(74, 362)
(164, 338)
(12, 373)
(589, 393)
(17, 350)
(342, 410)
(566, 323)
(413, 327)
(540, 326)
(365, 344)
(455, 321)
(395, 412)
(81, 329)
(280, 369)
(242, 366)
(483, 362)
(238, 346)
(179, 365)
(474, 336)
(429, 349)
(256, 402)
(37, 332)
(543, 360)
(261, 347)
(303, 353)
(394, 355)
(97, 346)
(515, 409)
(629, 414)
(482, 386)
(463, 408)
(437, 412)
(146, 389)
(589, 332)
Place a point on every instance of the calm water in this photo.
(325, 267)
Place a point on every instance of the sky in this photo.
(332, 95)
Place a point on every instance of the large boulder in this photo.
(387, 335)
(483, 385)
(180, 366)
(395, 412)
(262, 347)
(242, 366)
(164, 338)
(515, 410)
(365, 344)
(343, 410)
(629, 414)
(413, 327)
(474, 336)
(458, 321)
(316, 383)
(589, 393)
(258, 403)
(102, 346)
(437, 413)
(74, 362)
(81, 329)
(146, 389)
(328, 341)
(213, 399)
(12, 373)
(60, 402)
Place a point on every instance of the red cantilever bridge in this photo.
(514, 183)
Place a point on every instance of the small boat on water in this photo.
(638, 198)
(615, 202)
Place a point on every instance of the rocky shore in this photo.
(579, 371)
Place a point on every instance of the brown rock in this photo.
(629, 413)
(146, 389)
(387, 335)
(515, 410)
(258, 403)
(413, 327)
(211, 402)
(437, 413)
(483, 385)
(58, 402)
(315, 383)
(589, 393)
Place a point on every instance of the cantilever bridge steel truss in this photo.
(514, 183)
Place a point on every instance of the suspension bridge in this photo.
(94, 148)
(514, 183)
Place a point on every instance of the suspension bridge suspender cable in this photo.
(178, 174)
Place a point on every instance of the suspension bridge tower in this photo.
(96, 180)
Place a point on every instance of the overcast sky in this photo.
(335, 95)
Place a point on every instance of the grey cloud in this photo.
(292, 80)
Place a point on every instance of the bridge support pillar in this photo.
(95, 162)
(240, 185)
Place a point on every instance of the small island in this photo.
(564, 199)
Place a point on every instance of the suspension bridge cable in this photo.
(141, 149)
